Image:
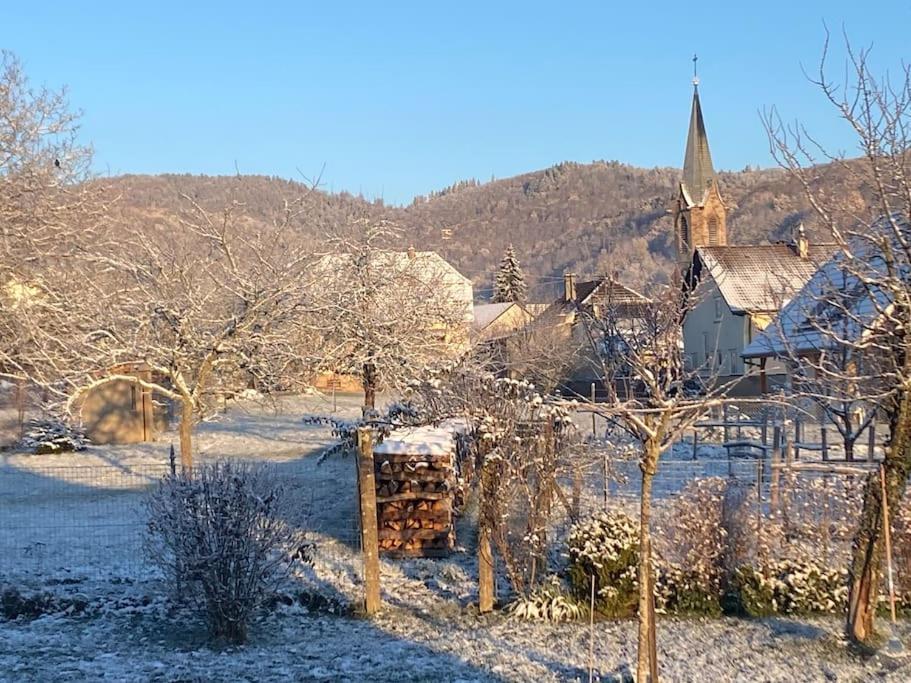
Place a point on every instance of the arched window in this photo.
(684, 232)
(713, 229)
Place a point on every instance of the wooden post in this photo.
(765, 428)
(724, 419)
(695, 441)
(594, 429)
(775, 468)
(486, 582)
(20, 406)
(824, 441)
(369, 535)
(797, 436)
(577, 492)
(871, 440)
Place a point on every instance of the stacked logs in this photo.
(415, 481)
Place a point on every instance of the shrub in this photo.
(691, 533)
(684, 591)
(548, 602)
(605, 546)
(51, 436)
(219, 532)
(790, 587)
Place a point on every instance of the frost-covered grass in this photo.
(428, 630)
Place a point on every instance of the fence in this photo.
(58, 522)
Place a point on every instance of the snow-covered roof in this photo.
(760, 278)
(418, 441)
(485, 314)
(838, 303)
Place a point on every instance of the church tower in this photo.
(699, 212)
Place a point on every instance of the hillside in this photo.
(586, 218)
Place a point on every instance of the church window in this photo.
(684, 231)
(713, 230)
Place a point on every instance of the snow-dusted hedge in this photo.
(605, 546)
(790, 587)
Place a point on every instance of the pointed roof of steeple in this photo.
(698, 173)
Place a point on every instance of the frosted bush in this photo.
(791, 587)
(548, 602)
(605, 546)
(219, 531)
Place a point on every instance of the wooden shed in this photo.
(417, 483)
(122, 412)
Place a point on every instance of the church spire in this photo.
(698, 173)
(699, 212)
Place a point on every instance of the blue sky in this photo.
(398, 99)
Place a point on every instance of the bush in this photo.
(605, 546)
(684, 591)
(548, 602)
(790, 587)
(51, 436)
(218, 531)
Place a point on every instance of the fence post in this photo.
(798, 429)
(871, 440)
(485, 553)
(577, 492)
(824, 441)
(695, 441)
(594, 428)
(765, 428)
(724, 419)
(775, 468)
(369, 533)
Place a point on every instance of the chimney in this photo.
(411, 253)
(801, 243)
(569, 287)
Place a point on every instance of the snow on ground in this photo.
(71, 526)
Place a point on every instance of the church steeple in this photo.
(698, 174)
(700, 217)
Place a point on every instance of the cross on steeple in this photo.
(695, 73)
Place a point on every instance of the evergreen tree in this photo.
(510, 283)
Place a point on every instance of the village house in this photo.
(733, 291)
(416, 273)
(568, 324)
(831, 313)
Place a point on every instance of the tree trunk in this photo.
(646, 664)
(849, 450)
(186, 434)
(865, 571)
(369, 386)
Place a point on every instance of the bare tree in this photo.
(206, 303)
(387, 317)
(49, 205)
(654, 398)
(874, 236)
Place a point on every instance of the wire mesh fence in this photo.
(63, 521)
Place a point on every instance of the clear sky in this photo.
(398, 99)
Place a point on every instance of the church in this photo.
(733, 291)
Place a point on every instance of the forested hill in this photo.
(586, 218)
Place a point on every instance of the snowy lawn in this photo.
(71, 526)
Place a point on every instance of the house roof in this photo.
(698, 172)
(608, 289)
(839, 303)
(759, 278)
(486, 314)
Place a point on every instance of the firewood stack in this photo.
(416, 481)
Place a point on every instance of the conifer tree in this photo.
(510, 283)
